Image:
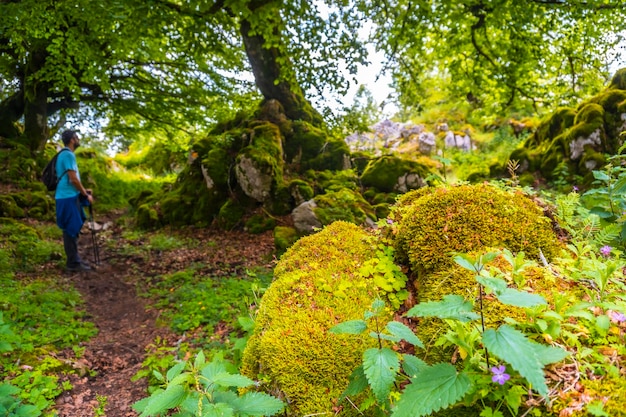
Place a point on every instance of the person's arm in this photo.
(79, 186)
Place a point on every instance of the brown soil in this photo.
(126, 324)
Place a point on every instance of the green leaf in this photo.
(452, 307)
(257, 404)
(381, 367)
(358, 383)
(619, 187)
(199, 361)
(232, 380)
(494, 284)
(436, 387)
(349, 327)
(175, 370)
(164, 400)
(465, 261)
(217, 410)
(601, 175)
(603, 322)
(402, 331)
(516, 298)
(549, 354)
(596, 408)
(412, 365)
(513, 347)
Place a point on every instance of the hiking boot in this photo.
(82, 267)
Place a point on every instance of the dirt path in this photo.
(126, 327)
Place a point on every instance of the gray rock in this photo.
(304, 218)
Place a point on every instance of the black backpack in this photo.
(49, 174)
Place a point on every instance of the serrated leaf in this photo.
(451, 307)
(412, 365)
(465, 261)
(513, 347)
(232, 380)
(601, 175)
(619, 187)
(402, 331)
(200, 360)
(349, 327)
(517, 298)
(436, 387)
(175, 370)
(217, 410)
(549, 354)
(257, 404)
(164, 400)
(358, 383)
(494, 284)
(381, 367)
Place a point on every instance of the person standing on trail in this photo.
(71, 197)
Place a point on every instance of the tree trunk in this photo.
(11, 109)
(267, 70)
(36, 106)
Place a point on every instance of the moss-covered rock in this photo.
(259, 223)
(300, 190)
(316, 286)
(577, 137)
(394, 174)
(9, 208)
(343, 204)
(147, 217)
(434, 223)
(230, 215)
(284, 237)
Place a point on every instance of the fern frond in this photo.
(607, 234)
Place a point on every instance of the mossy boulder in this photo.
(259, 223)
(343, 204)
(577, 137)
(259, 166)
(284, 237)
(316, 286)
(393, 174)
(434, 223)
(9, 208)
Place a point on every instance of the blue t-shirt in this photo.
(66, 161)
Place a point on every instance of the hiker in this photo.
(71, 197)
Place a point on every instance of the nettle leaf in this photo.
(549, 354)
(349, 327)
(451, 307)
(175, 370)
(217, 410)
(465, 261)
(232, 380)
(257, 404)
(412, 365)
(165, 400)
(513, 347)
(436, 387)
(381, 367)
(358, 383)
(494, 284)
(403, 332)
(516, 298)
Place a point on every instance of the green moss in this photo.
(284, 237)
(316, 286)
(9, 208)
(300, 190)
(305, 144)
(334, 155)
(147, 217)
(437, 222)
(619, 80)
(383, 174)
(344, 204)
(259, 223)
(230, 214)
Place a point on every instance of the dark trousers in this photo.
(71, 250)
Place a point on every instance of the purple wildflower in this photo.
(575, 188)
(389, 221)
(617, 317)
(605, 250)
(499, 375)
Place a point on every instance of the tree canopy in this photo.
(181, 66)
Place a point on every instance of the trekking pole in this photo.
(94, 241)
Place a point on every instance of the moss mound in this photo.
(315, 287)
(392, 174)
(434, 223)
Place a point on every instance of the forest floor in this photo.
(126, 323)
